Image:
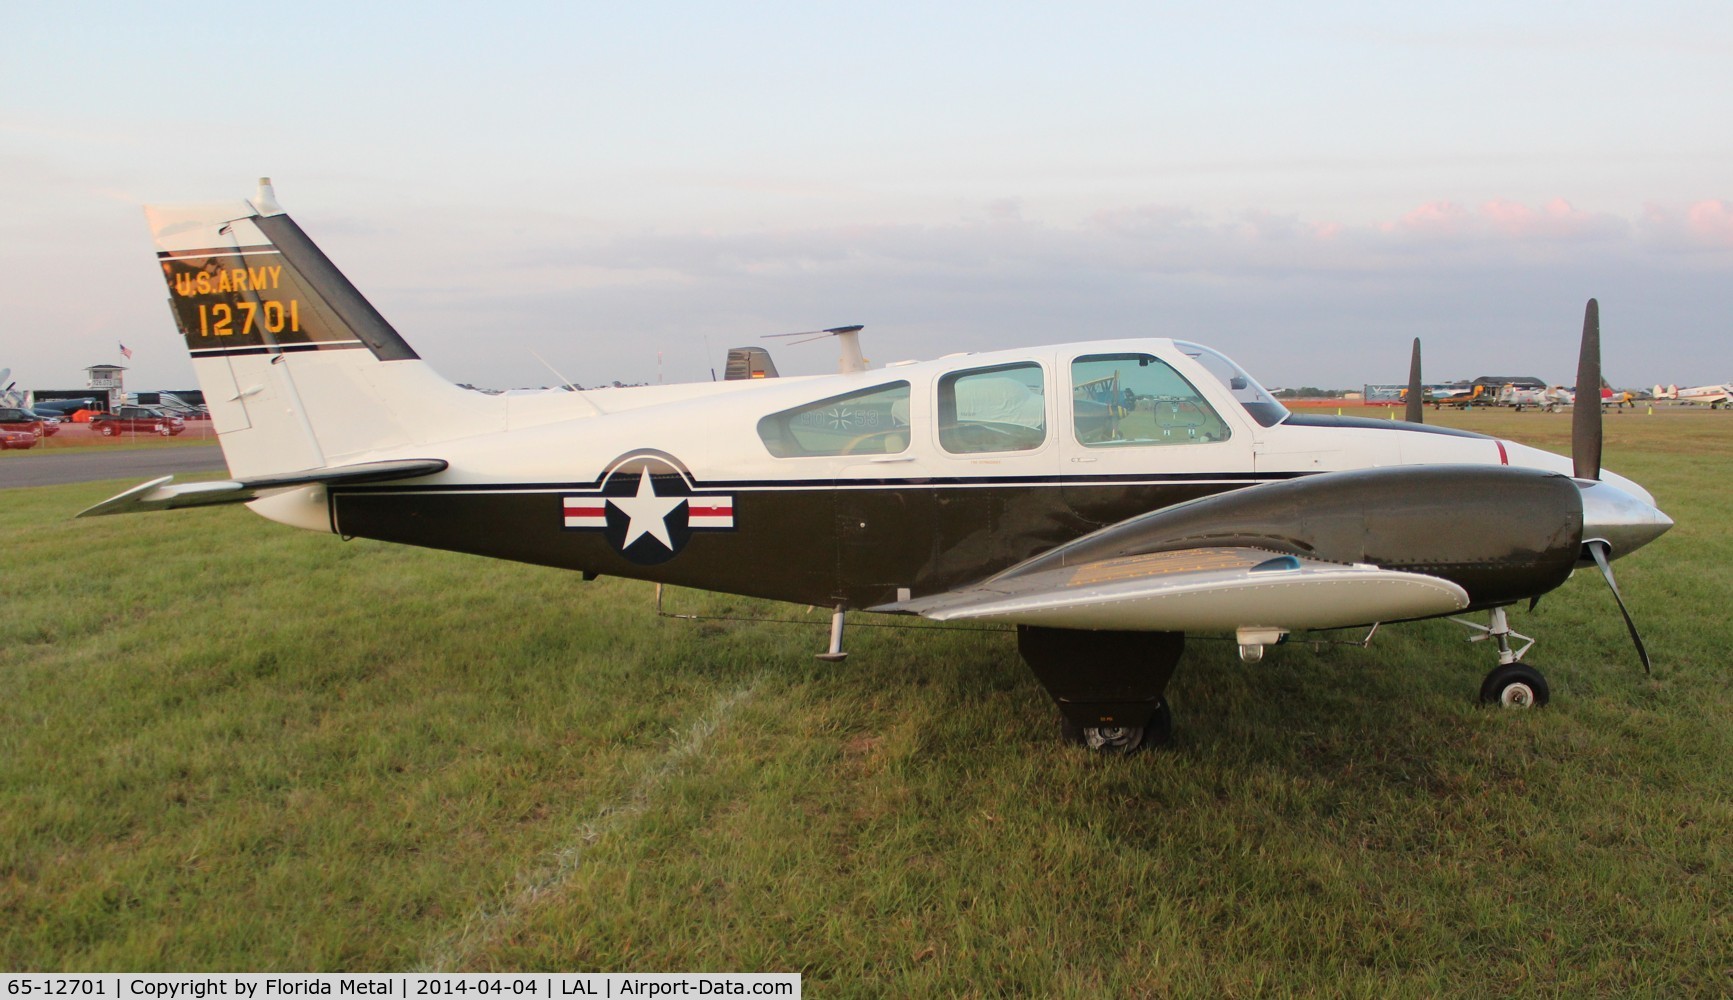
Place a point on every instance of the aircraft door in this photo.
(994, 445)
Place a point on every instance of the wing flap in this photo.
(164, 494)
(1199, 589)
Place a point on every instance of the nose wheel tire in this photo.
(1515, 685)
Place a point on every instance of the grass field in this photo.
(79, 437)
(229, 745)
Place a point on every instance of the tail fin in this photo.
(298, 369)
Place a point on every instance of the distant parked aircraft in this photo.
(1716, 396)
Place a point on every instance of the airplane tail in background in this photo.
(299, 371)
(1669, 392)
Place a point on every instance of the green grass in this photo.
(230, 745)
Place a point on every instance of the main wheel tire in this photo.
(1515, 685)
(1157, 732)
(1119, 740)
(108, 430)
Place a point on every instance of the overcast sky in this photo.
(1305, 187)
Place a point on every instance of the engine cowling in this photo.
(1501, 533)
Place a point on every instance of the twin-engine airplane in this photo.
(1717, 396)
(1105, 498)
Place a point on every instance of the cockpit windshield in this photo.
(1262, 406)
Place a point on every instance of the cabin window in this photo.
(1003, 408)
(870, 422)
(1122, 400)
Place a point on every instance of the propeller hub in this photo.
(1623, 521)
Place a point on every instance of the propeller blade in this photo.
(1599, 551)
(1586, 413)
(1416, 414)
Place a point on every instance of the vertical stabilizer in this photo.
(298, 369)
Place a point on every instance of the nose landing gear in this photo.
(1513, 683)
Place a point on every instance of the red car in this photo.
(136, 420)
(17, 425)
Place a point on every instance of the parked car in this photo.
(14, 419)
(136, 420)
(10, 438)
(50, 422)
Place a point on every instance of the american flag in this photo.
(126, 352)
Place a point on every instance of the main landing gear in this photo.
(1157, 732)
(1513, 683)
(1109, 686)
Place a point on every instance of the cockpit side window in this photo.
(869, 422)
(1120, 400)
(984, 410)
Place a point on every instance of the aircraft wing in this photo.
(1197, 589)
(158, 494)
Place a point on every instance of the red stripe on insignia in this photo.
(1503, 458)
(585, 512)
(697, 511)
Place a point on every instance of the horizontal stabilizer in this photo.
(158, 494)
(1201, 590)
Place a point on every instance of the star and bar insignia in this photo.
(648, 510)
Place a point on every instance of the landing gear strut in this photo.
(1513, 683)
(1109, 686)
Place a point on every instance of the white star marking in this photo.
(648, 513)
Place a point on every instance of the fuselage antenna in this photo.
(566, 383)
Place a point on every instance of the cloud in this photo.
(1497, 286)
(1696, 229)
(1711, 222)
(1555, 220)
(1435, 218)
(1298, 300)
